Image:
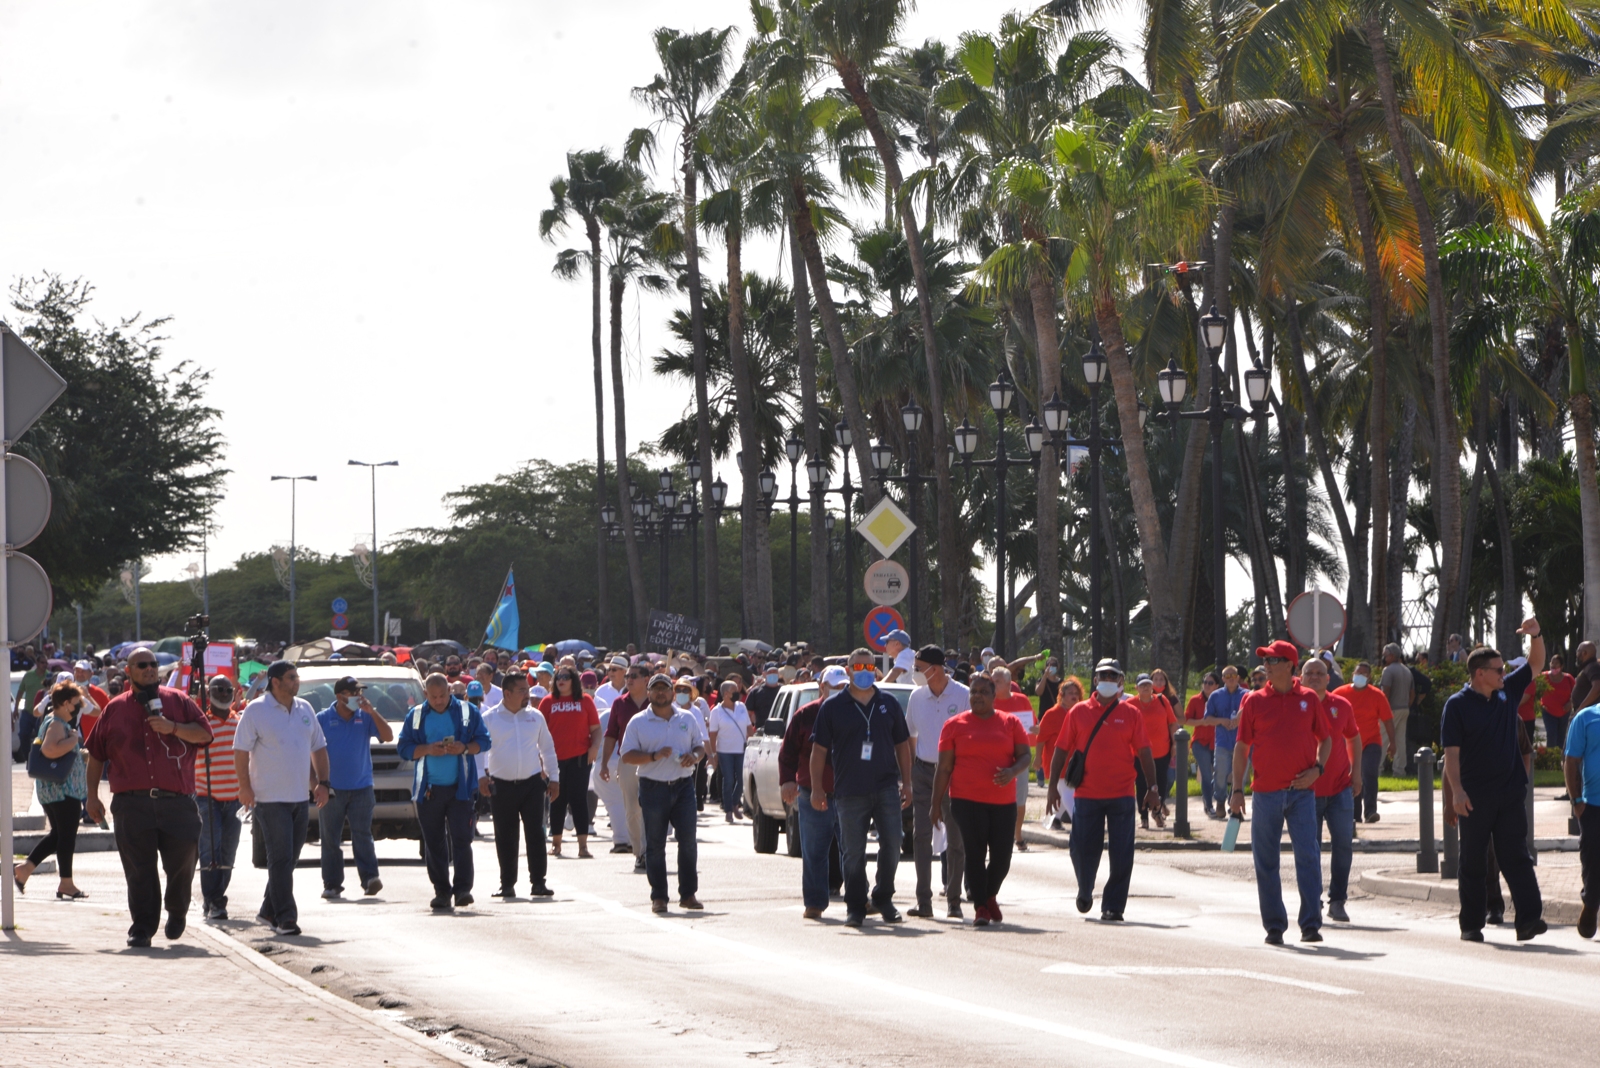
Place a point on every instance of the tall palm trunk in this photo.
(844, 372)
(592, 229)
(1399, 493)
(1583, 450)
(1508, 605)
(806, 357)
(711, 622)
(945, 499)
(641, 604)
(752, 507)
(1446, 465)
(1048, 521)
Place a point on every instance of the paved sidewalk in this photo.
(79, 997)
(1560, 884)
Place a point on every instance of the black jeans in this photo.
(63, 837)
(574, 795)
(520, 801)
(1589, 854)
(1500, 819)
(446, 823)
(151, 828)
(986, 834)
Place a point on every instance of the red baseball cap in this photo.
(1281, 648)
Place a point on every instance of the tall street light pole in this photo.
(817, 472)
(1174, 384)
(292, 479)
(378, 637)
(1001, 393)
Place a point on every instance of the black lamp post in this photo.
(827, 524)
(791, 449)
(911, 417)
(690, 506)
(1174, 385)
(609, 527)
(1055, 425)
(1001, 393)
(817, 472)
(666, 503)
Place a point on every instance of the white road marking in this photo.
(834, 974)
(1117, 971)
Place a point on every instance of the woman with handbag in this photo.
(56, 765)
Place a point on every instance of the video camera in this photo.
(199, 637)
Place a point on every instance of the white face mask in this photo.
(772, 678)
(681, 700)
(1359, 681)
(1107, 690)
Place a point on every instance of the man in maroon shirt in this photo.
(147, 738)
(819, 831)
(623, 709)
(1285, 735)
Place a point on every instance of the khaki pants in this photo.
(1401, 757)
(922, 774)
(629, 774)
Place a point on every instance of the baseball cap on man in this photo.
(930, 654)
(83, 665)
(659, 679)
(1280, 648)
(898, 636)
(474, 689)
(1109, 665)
(348, 684)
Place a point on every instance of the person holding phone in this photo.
(349, 727)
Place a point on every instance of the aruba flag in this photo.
(502, 630)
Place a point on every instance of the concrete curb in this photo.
(248, 957)
(1035, 834)
(1443, 892)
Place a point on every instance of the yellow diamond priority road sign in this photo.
(886, 527)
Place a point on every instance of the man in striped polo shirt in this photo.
(216, 781)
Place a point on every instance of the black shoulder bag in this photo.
(1076, 766)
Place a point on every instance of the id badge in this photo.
(866, 750)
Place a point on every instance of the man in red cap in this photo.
(1285, 734)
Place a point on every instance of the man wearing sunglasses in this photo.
(148, 738)
(1486, 780)
(1285, 733)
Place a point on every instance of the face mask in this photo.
(1359, 682)
(1107, 690)
(681, 700)
(351, 702)
(863, 680)
(772, 678)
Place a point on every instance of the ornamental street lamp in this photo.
(827, 524)
(695, 515)
(791, 449)
(817, 472)
(1001, 393)
(911, 417)
(1173, 384)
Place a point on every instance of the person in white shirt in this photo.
(616, 683)
(927, 709)
(608, 788)
(729, 727)
(897, 643)
(543, 676)
(521, 776)
(485, 676)
(686, 695)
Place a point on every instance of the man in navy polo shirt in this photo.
(349, 726)
(1488, 780)
(862, 732)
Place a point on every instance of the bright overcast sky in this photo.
(337, 204)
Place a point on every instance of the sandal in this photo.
(555, 848)
(1022, 847)
(74, 896)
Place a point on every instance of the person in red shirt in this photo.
(1285, 735)
(1159, 723)
(1068, 694)
(1337, 786)
(1009, 699)
(1204, 745)
(1109, 730)
(574, 725)
(1554, 702)
(1372, 714)
(982, 752)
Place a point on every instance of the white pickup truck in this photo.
(762, 795)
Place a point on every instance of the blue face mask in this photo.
(864, 680)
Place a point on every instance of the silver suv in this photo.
(763, 798)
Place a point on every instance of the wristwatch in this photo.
(1320, 768)
(325, 784)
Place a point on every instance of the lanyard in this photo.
(866, 714)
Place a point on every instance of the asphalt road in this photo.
(591, 979)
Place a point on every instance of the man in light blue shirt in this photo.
(1582, 768)
(1222, 712)
(666, 743)
(443, 736)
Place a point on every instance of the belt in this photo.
(927, 763)
(153, 792)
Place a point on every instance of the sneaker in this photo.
(954, 911)
(176, 922)
(541, 891)
(217, 913)
(1336, 912)
(622, 847)
(1310, 934)
(332, 895)
(638, 866)
(1472, 936)
(1534, 929)
(812, 914)
(373, 885)
(1274, 938)
(658, 907)
(981, 919)
(854, 919)
(994, 911)
(264, 920)
(463, 900)
(891, 914)
(441, 904)
(286, 930)
(1587, 920)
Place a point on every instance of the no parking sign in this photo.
(880, 621)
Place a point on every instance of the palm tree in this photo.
(593, 180)
(693, 68)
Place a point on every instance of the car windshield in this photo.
(391, 697)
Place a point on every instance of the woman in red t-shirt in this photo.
(982, 753)
(1159, 723)
(574, 724)
(1050, 724)
(1554, 703)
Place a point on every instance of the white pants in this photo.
(610, 794)
(629, 785)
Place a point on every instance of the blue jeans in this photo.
(1555, 730)
(1093, 819)
(1339, 813)
(219, 843)
(1203, 758)
(357, 806)
(730, 766)
(1221, 774)
(283, 827)
(446, 823)
(1298, 810)
(855, 814)
(818, 832)
(661, 804)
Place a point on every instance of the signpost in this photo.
(880, 621)
(340, 627)
(28, 386)
(886, 582)
(1315, 619)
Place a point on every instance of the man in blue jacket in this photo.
(443, 735)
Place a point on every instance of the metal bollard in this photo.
(1527, 807)
(1427, 855)
(1180, 763)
